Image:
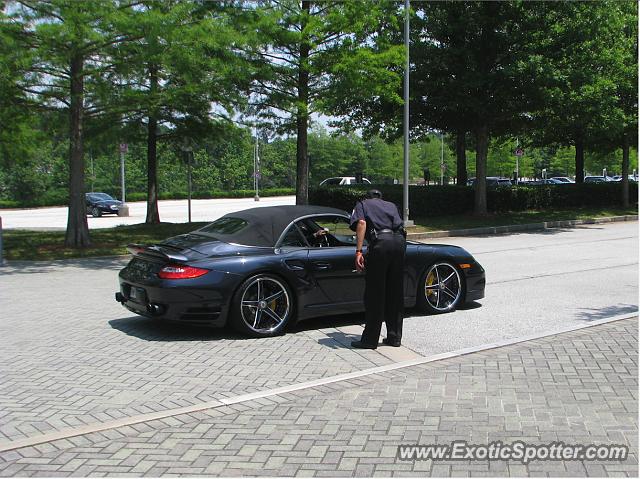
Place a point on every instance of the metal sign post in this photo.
(519, 152)
(123, 149)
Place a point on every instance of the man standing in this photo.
(379, 222)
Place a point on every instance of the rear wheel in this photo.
(441, 288)
(95, 212)
(262, 306)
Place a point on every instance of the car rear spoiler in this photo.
(153, 252)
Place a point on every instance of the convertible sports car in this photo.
(264, 268)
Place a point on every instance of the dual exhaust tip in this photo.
(153, 309)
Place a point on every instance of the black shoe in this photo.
(388, 342)
(361, 345)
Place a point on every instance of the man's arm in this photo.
(361, 228)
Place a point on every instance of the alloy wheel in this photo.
(442, 287)
(265, 304)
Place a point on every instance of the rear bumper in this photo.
(184, 305)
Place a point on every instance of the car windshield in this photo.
(101, 196)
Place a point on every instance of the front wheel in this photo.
(262, 306)
(95, 212)
(441, 288)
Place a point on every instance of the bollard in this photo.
(1, 258)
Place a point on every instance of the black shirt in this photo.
(378, 213)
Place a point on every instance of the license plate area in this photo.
(134, 293)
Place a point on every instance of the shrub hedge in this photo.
(451, 200)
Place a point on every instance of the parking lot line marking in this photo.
(131, 420)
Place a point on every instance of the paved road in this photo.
(70, 355)
(576, 388)
(537, 282)
(171, 211)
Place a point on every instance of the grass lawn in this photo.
(441, 223)
(49, 245)
(45, 245)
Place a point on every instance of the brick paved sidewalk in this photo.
(70, 355)
(578, 387)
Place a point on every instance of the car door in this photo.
(331, 262)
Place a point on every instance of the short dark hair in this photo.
(374, 194)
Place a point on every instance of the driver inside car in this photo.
(315, 234)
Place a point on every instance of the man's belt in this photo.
(400, 231)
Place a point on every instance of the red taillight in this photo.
(179, 271)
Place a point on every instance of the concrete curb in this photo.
(492, 230)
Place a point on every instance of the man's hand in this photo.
(359, 262)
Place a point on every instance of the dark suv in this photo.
(99, 204)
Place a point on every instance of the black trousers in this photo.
(384, 287)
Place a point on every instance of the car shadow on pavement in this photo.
(327, 322)
(602, 313)
(157, 330)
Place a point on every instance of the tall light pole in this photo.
(256, 169)
(405, 183)
(441, 158)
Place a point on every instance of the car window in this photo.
(293, 238)
(226, 226)
(332, 181)
(338, 228)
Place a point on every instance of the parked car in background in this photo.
(631, 178)
(492, 181)
(343, 180)
(597, 179)
(99, 204)
(562, 179)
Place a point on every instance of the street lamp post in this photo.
(441, 158)
(187, 150)
(256, 169)
(124, 208)
(405, 185)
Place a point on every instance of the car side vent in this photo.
(201, 314)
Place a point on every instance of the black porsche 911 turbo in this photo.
(261, 269)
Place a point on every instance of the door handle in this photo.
(294, 265)
(321, 265)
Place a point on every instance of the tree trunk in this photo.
(153, 216)
(77, 235)
(625, 170)
(579, 161)
(480, 187)
(461, 158)
(302, 117)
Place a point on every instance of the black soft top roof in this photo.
(266, 224)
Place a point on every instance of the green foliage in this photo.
(452, 200)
